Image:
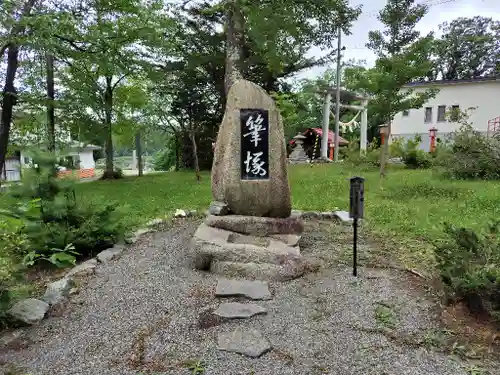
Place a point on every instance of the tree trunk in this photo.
(9, 94)
(138, 152)
(9, 99)
(234, 44)
(195, 155)
(384, 156)
(51, 125)
(108, 145)
(177, 152)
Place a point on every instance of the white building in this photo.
(76, 154)
(481, 93)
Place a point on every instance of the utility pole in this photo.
(337, 99)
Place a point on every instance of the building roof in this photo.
(453, 81)
(331, 135)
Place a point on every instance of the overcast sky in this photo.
(439, 11)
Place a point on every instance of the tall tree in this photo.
(278, 26)
(105, 52)
(468, 48)
(402, 56)
(51, 121)
(269, 48)
(14, 27)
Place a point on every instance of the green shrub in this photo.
(469, 264)
(470, 156)
(164, 160)
(413, 157)
(417, 159)
(397, 147)
(353, 156)
(54, 222)
(12, 247)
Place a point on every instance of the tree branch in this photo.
(309, 63)
(119, 80)
(72, 43)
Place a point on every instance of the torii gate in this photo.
(346, 96)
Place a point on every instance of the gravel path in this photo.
(139, 315)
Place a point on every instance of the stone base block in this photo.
(261, 271)
(234, 254)
(225, 245)
(257, 226)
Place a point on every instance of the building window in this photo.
(406, 113)
(441, 113)
(428, 115)
(454, 113)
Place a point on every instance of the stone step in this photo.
(290, 269)
(225, 245)
(233, 254)
(236, 310)
(256, 290)
(257, 226)
(254, 271)
(247, 342)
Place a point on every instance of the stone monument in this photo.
(298, 155)
(250, 231)
(249, 170)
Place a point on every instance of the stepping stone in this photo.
(247, 342)
(256, 290)
(235, 310)
(343, 216)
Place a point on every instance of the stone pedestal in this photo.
(249, 246)
(250, 232)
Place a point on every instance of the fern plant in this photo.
(469, 264)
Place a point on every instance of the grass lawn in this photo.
(409, 206)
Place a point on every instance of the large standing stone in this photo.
(243, 288)
(252, 189)
(247, 342)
